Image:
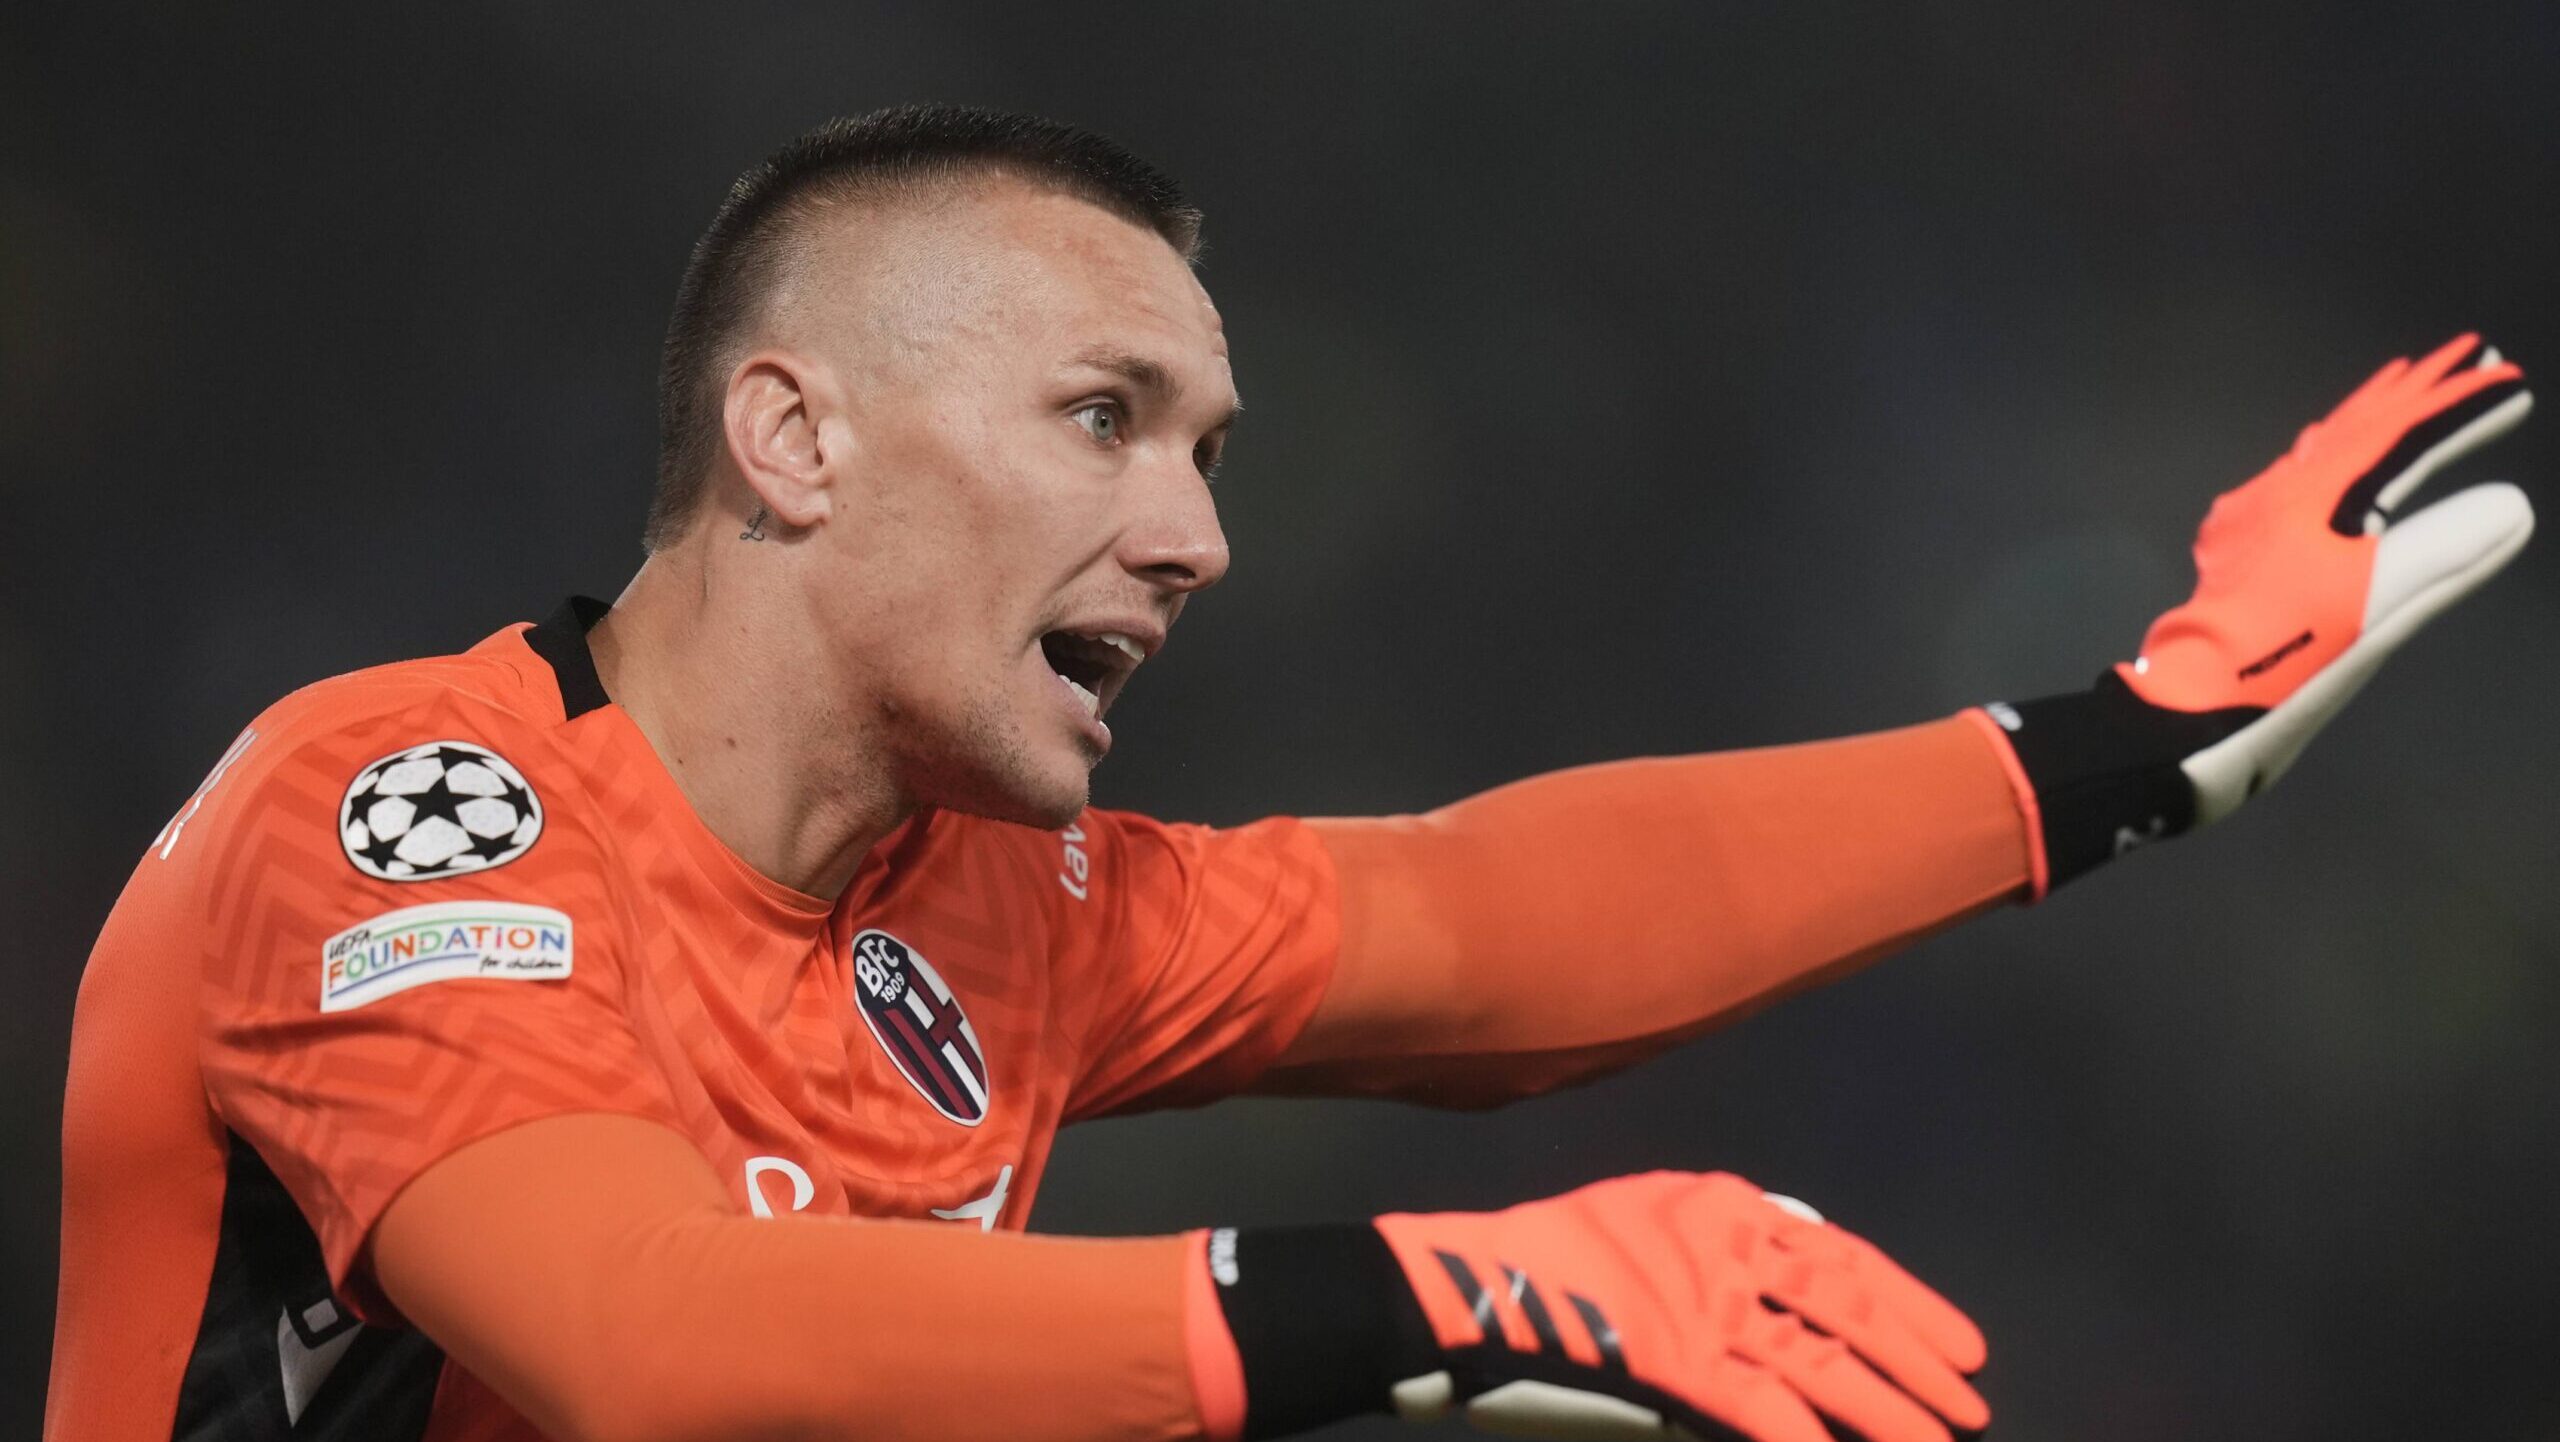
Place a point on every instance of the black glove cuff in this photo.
(1324, 1322)
(2104, 764)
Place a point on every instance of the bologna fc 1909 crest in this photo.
(919, 1024)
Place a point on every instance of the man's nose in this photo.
(1175, 542)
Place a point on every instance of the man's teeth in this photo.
(1128, 647)
(1092, 703)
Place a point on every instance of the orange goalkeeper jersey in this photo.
(417, 905)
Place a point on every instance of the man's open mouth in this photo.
(1095, 665)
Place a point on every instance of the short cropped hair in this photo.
(739, 259)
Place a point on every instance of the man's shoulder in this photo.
(400, 791)
(499, 686)
(412, 770)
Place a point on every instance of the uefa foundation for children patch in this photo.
(443, 941)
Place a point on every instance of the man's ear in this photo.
(784, 420)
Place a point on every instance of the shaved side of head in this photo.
(835, 230)
(881, 280)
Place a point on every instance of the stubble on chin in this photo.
(980, 763)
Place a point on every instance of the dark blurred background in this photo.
(1623, 379)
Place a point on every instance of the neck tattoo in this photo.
(755, 526)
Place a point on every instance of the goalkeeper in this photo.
(653, 1022)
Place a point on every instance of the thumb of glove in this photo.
(2425, 562)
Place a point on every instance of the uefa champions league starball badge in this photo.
(447, 808)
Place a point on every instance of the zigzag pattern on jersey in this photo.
(1230, 974)
(718, 955)
(348, 1107)
(962, 893)
(711, 999)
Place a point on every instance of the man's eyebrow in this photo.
(1146, 374)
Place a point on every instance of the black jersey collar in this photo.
(560, 639)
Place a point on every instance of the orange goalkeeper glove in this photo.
(2307, 578)
(1644, 1307)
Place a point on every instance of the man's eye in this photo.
(1101, 420)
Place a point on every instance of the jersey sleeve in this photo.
(409, 941)
(1558, 928)
(1201, 953)
(796, 1326)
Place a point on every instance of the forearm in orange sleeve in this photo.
(1561, 926)
(592, 1271)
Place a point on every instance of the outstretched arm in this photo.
(1568, 924)
(592, 1271)
(1571, 923)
